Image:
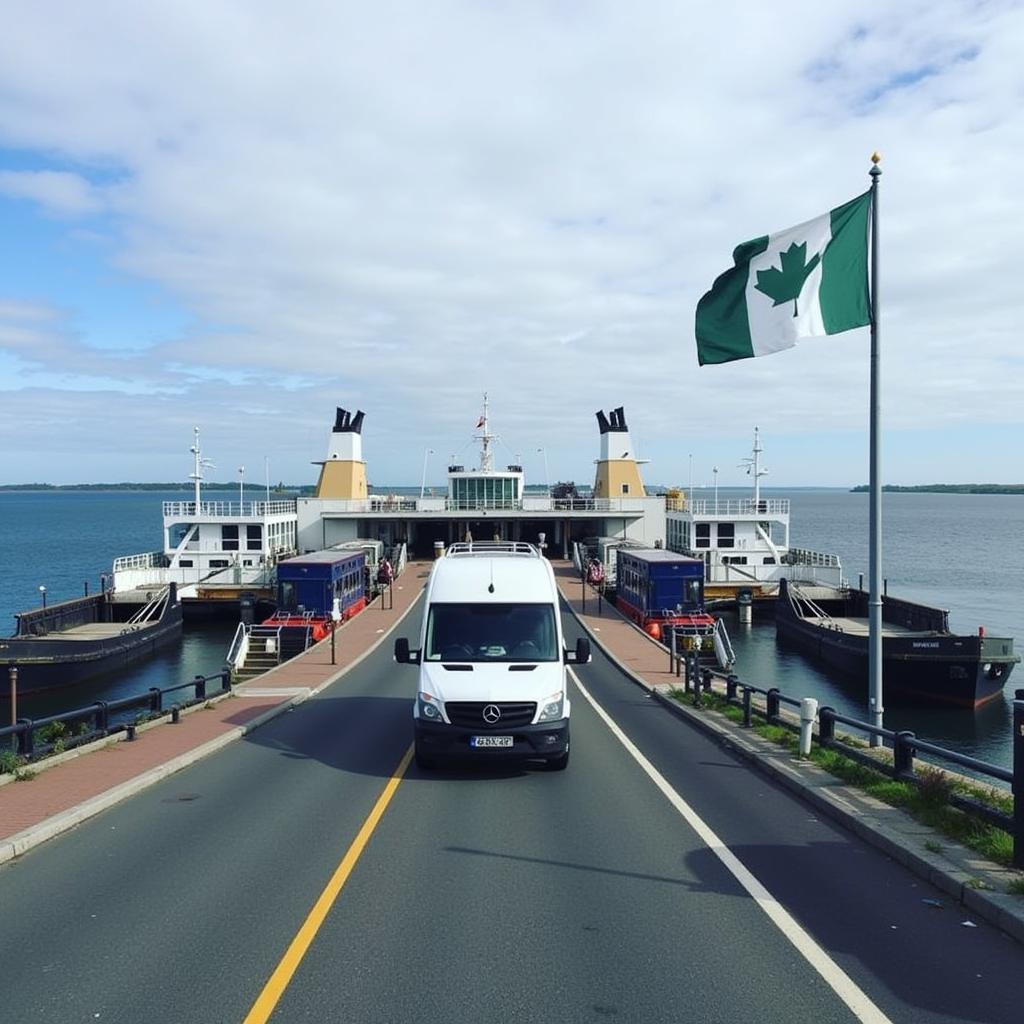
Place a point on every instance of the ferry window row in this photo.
(490, 492)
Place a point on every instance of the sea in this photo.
(962, 552)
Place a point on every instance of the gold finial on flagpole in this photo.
(876, 157)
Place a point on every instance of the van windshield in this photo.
(491, 632)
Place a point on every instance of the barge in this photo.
(75, 640)
(922, 660)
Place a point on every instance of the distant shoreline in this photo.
(183, 488)
(948, 488)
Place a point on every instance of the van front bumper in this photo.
(439, 739)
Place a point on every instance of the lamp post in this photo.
(714, 471)
(547, 478)
(42, 593)
(241, 487)
(423, 480)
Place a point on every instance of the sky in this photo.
(240, 215)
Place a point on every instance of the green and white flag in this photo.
(806, 282)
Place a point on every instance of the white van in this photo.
(492, 676)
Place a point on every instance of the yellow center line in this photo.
(278, 982)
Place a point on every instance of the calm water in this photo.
(961, 552)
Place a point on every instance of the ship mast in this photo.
(485, 439)
(200, 464)
(754, 468)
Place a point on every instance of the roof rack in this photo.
(492, 547)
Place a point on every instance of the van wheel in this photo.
(424, 761)
(558, 764)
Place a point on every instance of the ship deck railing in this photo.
(229, 509)
(392, 504)
(730, 508)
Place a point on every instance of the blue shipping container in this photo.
(653, 581)
(312, 582)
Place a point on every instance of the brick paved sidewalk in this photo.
(83, 782)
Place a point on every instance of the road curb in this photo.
(999, 909)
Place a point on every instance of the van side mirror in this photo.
(402, 653)
(581, 656)
(582, 650)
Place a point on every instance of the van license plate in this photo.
(490, 741)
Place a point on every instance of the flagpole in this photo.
(875, 485)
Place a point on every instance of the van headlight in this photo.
(428, 707)
(552, 708)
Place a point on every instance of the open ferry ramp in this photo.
(278, 857)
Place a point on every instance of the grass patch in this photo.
(927, 801)
(1016, 887)
(14, 764)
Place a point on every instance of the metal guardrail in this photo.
(98, 716)
(905, 746)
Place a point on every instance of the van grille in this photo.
(470, 713)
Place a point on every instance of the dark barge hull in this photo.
(48, 657)
(931, 665)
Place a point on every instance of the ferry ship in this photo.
(744, 542)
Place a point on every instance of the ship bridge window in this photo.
(727, 535)
(702, 535)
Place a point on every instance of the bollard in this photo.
(1018, 779)
(731, 683)
(747, 692)
(771, 708)
(808, 713)
(903, 753)
(200, 684)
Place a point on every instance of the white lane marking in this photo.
(837, 979)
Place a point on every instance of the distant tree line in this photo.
(950, 488)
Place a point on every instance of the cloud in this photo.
(58, 192)
(400, 207)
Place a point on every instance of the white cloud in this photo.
(400, 206)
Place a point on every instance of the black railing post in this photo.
(670, 643)
(771, 711)
(706, 678)
(731, 683)
(826, 726)
(102, 718)
(156, 698)
(1018, 779)
(747, 695)
(26, 742)
(225, 680)
(200, 683)
(903, 753)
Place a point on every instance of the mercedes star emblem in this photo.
(491, 714)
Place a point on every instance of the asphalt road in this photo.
(513, 895)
